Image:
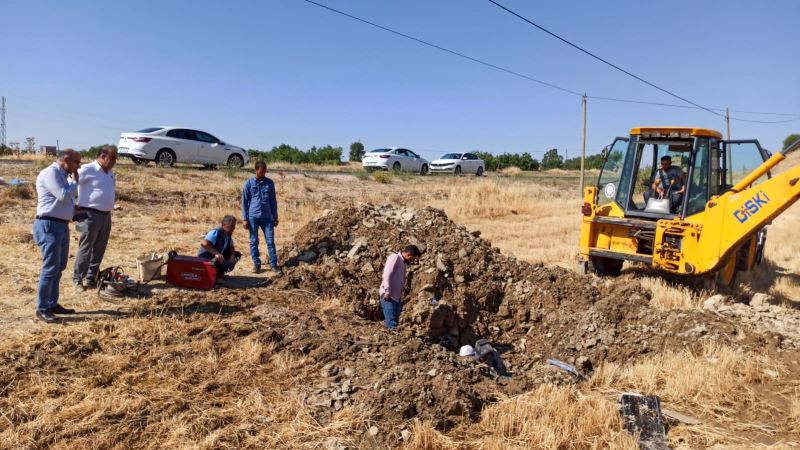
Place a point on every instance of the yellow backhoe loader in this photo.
(684, 201)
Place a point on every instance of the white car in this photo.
(168, 145)
(397, 159)
(459, 163)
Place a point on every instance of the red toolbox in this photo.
(191, 272)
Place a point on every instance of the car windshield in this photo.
(380, 150)
(451, 156)
(149, 130)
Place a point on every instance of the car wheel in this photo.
(139, 161)
(479, 173)
(423, 170)
(458, 170)
(165, 158)
(396, 167)
(236, 161)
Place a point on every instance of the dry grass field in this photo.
(154, 384)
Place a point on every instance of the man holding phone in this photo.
(55, 189)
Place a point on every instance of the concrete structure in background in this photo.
(47, 150)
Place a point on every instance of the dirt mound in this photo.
(464, 289)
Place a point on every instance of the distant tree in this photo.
(91, 153)
(30, 144)
(592, 162)
(552, 160)
(14, 147)
(356, 151)
(328, 155)
(293, 155)
(5, 151)
(524, 161)
(790, 140)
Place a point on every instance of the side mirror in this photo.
(463, 158)
(605, 152)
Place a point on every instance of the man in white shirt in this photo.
(96, 196)
(55, 206)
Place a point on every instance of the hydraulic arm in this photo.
(736, 215)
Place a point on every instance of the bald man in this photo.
(55, 189)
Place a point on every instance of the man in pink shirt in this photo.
(394, 279)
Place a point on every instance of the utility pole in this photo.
(728, 121)
(583, 144)
(3, 122)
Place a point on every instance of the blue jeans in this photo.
(264, 225)
(391, 312)
(53, 240)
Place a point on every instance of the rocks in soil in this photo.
(528, 312)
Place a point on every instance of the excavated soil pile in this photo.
(464, 289)
(243, 366)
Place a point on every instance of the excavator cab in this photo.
(656, 202)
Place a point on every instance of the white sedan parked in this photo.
(397, 159)
(459, 163)
(168, 145)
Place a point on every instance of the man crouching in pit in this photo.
(394, 279)
(218, 245)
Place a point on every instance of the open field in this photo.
(236, 367)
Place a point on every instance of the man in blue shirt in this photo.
(218, 245)
(260, 211)
(55, 190)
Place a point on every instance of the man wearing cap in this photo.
(393, 282)
(55, 191)
(96, 195)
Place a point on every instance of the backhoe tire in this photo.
(606, 267)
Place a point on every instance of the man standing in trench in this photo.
(55, 192)
(394, 279)
(96, 196)
(260, 212)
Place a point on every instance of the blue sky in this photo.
(258, 74)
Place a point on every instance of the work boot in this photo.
(58, 309)
(90, 283)
(46, 316)
(276, 270)
(78, 286)
(256, 268)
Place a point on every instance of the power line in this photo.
(603, 60)
(672, 105)
(438, 47)
(696, 105)
(551, 85)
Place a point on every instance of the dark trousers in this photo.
(227, 264)
(94, 234)
(391, 312)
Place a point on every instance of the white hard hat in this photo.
(466, 350)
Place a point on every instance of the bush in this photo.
(361, 174)
(230, 171)
(382, 177)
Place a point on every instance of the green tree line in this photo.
(326, 155)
